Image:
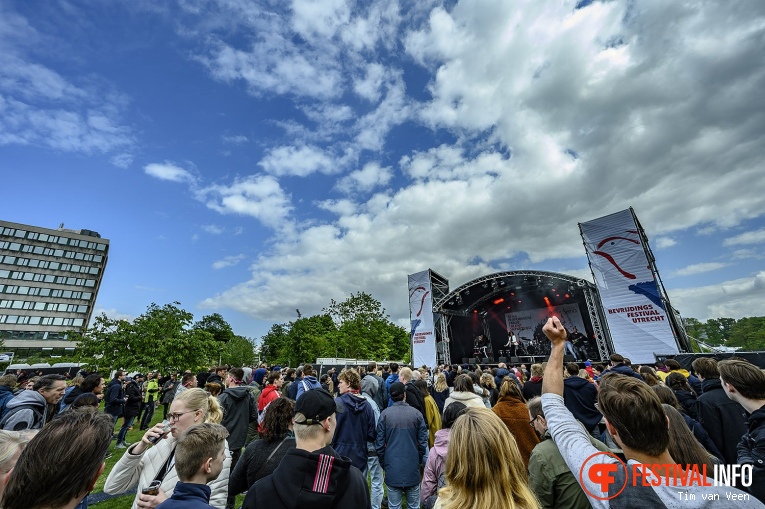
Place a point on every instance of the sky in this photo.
(253, 158)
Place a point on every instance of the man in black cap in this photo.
(313, 474)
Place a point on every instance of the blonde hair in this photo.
(405, 374)
(510, 388)
(488, 381)
(10, 443)
(440, 385)
(197, 398)
(474, 481)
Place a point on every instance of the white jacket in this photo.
(469, 399)
(141, 469)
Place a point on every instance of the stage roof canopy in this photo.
(485, 292)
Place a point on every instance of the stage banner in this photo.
(423, 334)
(628, 291)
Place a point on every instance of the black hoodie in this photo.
(321, 479)
(239, 409)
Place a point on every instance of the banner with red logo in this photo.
(628, 290)
(423, 334)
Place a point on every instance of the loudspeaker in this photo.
(503, 359)
(486, 360)
(568, 358)
(515, 360)
(472, 360)
(464, 360)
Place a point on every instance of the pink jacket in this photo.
(435, 466)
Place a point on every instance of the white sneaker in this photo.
(121, 445)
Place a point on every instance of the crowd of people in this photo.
(550, 435)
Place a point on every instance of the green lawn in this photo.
(133, 436)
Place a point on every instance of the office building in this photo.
(49, 280)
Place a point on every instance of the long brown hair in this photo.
(478, 483)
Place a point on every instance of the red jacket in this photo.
(269, 394)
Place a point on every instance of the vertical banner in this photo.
(423, 334)
(628, 291)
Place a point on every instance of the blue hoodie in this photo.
(355, 427)
(306, 383)
(580, 397)
(392, 378)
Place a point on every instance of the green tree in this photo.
(364, 330)
(239, 351)
(274, 343)
(161, 338)
(217, 326)
(748, 333)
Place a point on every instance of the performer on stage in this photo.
(511, 347)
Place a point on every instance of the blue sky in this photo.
(251, 158)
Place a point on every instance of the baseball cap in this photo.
(397, 390)
(314, 406)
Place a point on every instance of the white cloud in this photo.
(168, 171)
(753, 237)
(213, 229)
(369, 85)
(537, 116)
(123, 160)
(313, 19)
(113, 314)
(742, 254)
(235, 140)
(700, 268)
(665, 242)
(259, 196)
(734, 299)
(228, 261)
(297, 161)
(42, 106)
(366, 179)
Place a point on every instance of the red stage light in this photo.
(567, 296)
(557, 295)
(547, 300)
(512, 294)
(475, 311)
(499, 301)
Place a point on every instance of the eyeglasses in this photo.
(176, 416)
(531, 422)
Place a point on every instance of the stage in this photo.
(499, 317)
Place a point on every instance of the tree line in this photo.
(748, 332)
(167, 338)
(356, 328)
(164, 337)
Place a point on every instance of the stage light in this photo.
(485, 286)
(499, 301)
(567, 296)
(547, 300)
(557, 295)
(501, 282)
(512, 294)
(475, 311)
(494, 284)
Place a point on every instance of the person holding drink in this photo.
(144, 462)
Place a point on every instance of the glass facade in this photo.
(49, 281)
